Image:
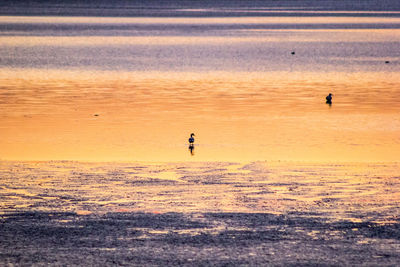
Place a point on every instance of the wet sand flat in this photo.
(199, 213)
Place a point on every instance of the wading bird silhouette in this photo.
(191, 139)
(329, 99)
(191, 144)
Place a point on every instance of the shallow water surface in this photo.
(134, 88)
(243, 116)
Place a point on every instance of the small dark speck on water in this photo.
(96, 115)
(293, 53)
(387, 62)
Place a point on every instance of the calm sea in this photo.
(130, 81)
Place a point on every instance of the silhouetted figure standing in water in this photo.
(191, 139)
(191, 144)
(329, 99)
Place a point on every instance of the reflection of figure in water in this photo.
(191, 144)
(329, 99)
(191, 149)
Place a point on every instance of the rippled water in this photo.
(249, 81)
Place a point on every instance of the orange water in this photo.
(249, 87)
(148, 116)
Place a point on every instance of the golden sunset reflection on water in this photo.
(148, 116)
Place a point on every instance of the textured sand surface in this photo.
(199, 213)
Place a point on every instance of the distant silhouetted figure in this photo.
(191, 144)
(329, 99)
(191, 139)
(191, 149)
